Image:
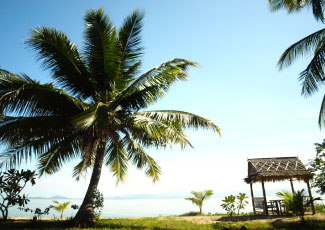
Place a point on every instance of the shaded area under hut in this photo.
(273, 170)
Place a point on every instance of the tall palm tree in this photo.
(200, 197)
(94, 110)
(313, 76)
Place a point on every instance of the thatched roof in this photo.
(276, 169)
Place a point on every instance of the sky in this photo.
(237, 44)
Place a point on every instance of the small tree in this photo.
(60, 207)
(12, 183)
(241, 201)
(98, 203)
(199, 197)
(317, 168)
(229, 205)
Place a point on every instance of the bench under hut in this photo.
(273, 170)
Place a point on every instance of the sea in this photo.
(122, 208)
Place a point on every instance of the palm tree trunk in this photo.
(85, 214)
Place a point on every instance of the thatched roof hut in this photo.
(276, 169)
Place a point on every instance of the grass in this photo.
(175, 223)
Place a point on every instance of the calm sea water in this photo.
(131, 208)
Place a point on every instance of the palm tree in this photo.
(94, 110)
(60, 207)
(313, 76)
(199, 197)
(293, 6)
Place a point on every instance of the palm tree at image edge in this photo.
(313, 76)
(94, 109)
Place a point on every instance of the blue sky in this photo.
(237, 45)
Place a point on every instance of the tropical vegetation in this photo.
(317, 168)
(12, 182)
(94, 110)
(200, 197)
(60, 207)
(294, 202)
(312, 77)
(232, 203)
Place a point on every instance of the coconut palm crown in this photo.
(94, 109)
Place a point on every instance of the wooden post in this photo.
(310, 196)
(252, 195)
(266, 212)
(292, 189)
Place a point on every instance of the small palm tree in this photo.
(60, 207)
(199, 197)
(294, 202)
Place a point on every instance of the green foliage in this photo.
(294, 202)
(293, 6)
(199, 197)
(12, 182)
(60, 207)
(232, 203)
(241, 202)
(229, 205)
(98, 203)
(313, 76)
(317, 168)
(37, 211)
(319, 207)
(172, 223)
(95, 107)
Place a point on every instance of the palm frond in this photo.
(301, 48)
(22, 95)
(102, 53)
(159, 131)
(117, 158)
(321, 116)
(129, 40)
(60, 153)
(140, 158)
(153, 84)
(180, 119)
(313, 76)
(61, 57)
(293, 6)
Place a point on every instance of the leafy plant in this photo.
(37, 211)
(232, 203)
(229, 205)
(98, 203)
(199, 197)
(95, 110)
(241, 201)
(294, 202)
(319, 207)
(317, 168)
(12, 183)
(60, 207)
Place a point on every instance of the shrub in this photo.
(12, 183)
